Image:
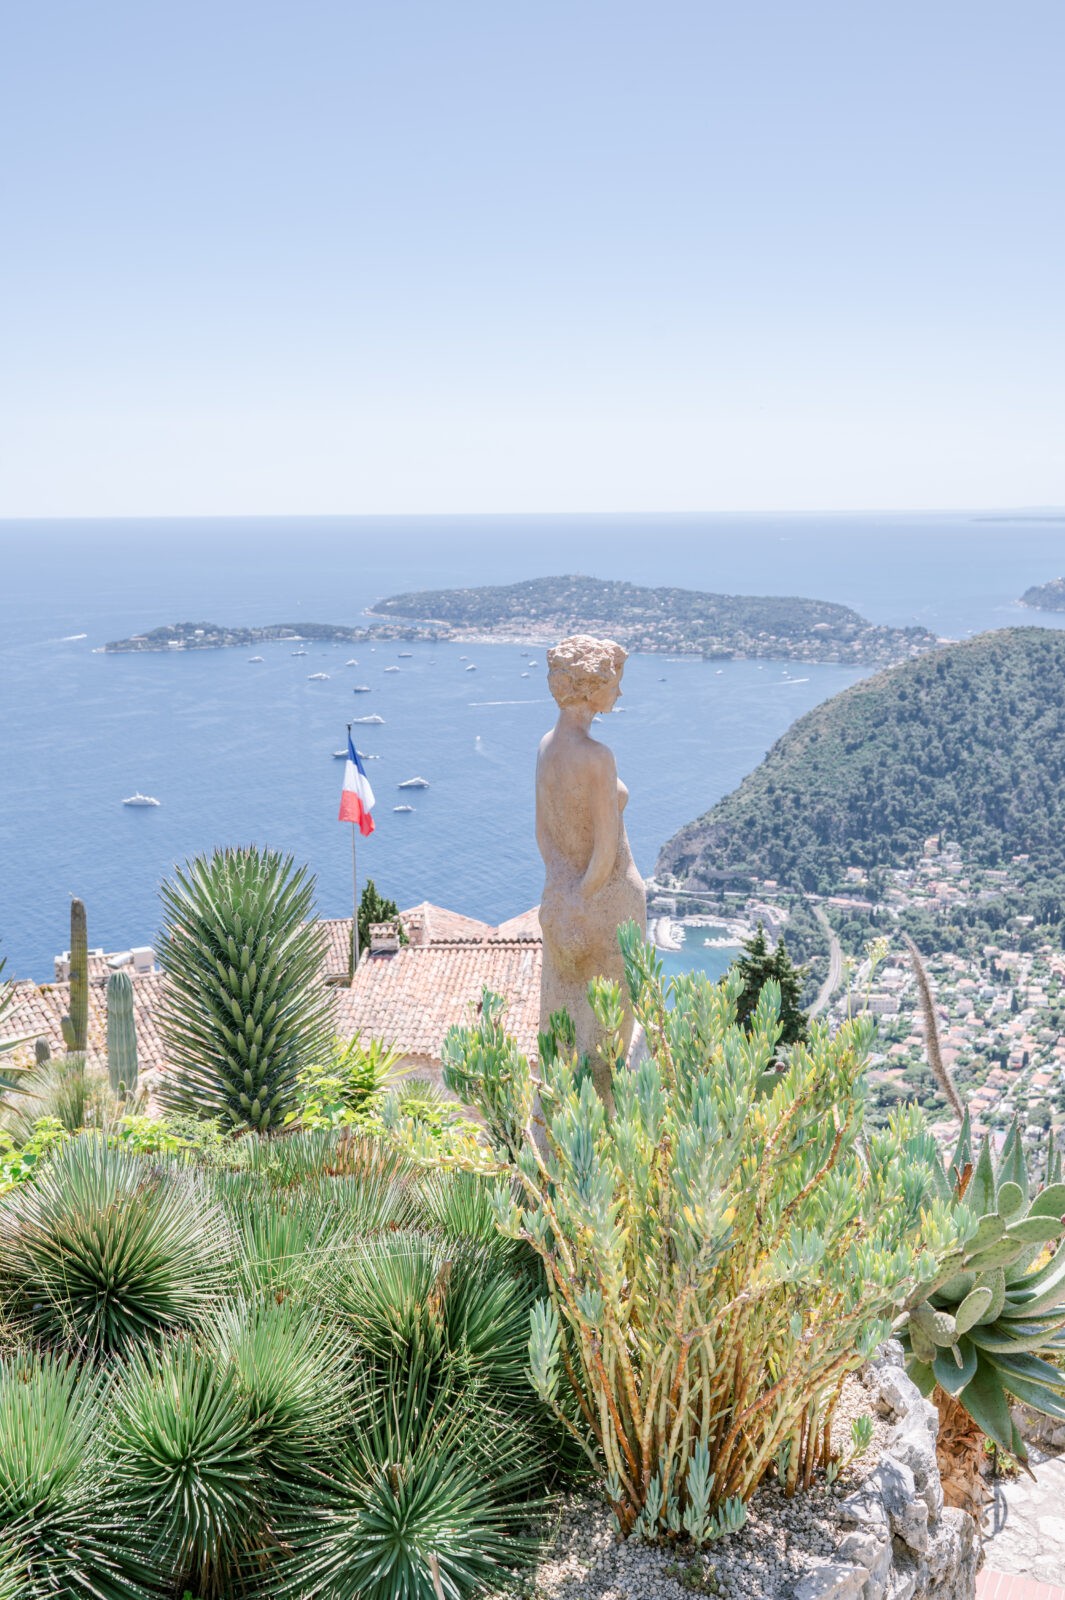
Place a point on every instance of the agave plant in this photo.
(434, 1493)
(245, 1008)
(185, 1447)
(718, 1255)
(979, 1338)
(62, 1526)
(102, 1253)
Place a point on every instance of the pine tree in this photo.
(756, 965)
(373, 907)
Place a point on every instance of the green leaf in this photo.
(985, 1400)
(1010, 1199)
(951, 1375)
(972, 1308)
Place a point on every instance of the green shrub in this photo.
(103, 1252)
(718, 1255)
(346, 1088)
(245, 1009)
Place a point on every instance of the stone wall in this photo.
(898, 1540)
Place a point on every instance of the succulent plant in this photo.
(42, 1052)
(121, 1034)
(75, 1024)
(984, 1332)
(245, 1010)
(718, 1254)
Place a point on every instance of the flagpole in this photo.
(354, 897)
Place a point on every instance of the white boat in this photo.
(318, 677)
(139, 799)
(361, 688)
(402, 808)
(414, 783)
(340, 755)
(404, 655)
(391, 669)
(525, 674)
(351, 663)
(374, 718)
(256, 658)
(72, 638)
(471, 667)
(464, 658)
(298, 652)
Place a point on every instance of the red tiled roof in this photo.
(37, 1010)
(410, 999)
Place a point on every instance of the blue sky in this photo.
(528, 257)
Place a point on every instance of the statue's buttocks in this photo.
(591, 883)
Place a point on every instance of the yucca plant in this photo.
(245, 1009)
(294, 1371)
(104, 1252)
(980, 1338)
(433, 1493)
(719, 1253)
(185, 1447)
(63, 1531)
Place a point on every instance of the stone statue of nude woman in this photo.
(591, 884)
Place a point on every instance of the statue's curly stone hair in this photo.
(580, 665)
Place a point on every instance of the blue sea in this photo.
(237, 751)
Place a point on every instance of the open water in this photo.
(238, 752)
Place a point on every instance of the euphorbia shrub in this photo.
(719, 1254)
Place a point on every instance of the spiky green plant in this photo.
(185, 1448)
(294, 1372)
(433, 1493)
(61, 1523)
(121, 1035)
(983, 1334)
(245, 1009)
(75, 1024)
(102, 1253)
(719, 1254)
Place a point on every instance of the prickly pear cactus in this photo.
(121, 1034)
(75, 1024)
(985, 1332)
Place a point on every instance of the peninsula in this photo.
(679, 621)
(541, 610)
(1045, 596)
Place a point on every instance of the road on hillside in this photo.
(835, 965)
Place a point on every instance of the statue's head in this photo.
(585, 671)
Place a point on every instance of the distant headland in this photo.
(540, 610)
(1045, 596)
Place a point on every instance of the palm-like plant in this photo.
(245, 1008)
(101, 1253)
(59, 1517)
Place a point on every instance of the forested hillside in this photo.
(968, 742)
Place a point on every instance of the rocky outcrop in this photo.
(898, 1540)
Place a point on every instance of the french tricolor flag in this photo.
(356, 800)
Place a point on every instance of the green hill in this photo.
(968, 742)
(1045, 596)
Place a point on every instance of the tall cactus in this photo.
(42, 1051)
(75, 1024)
(121, 1034)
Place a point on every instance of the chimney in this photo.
(384, 938)
(416, 927)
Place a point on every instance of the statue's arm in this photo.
(606, 824)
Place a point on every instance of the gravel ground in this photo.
(780, 1542)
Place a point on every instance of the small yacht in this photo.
(391, 669)
(464, 658)
(139, 799)
(414, 783)
(374, 718)
(471, 667)
(351, 663)
(256, 658)
(361, 688)
(318, 677)
(297, 652)
(402, 808)
(525, 674)
(340, 755)
(404, 655)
